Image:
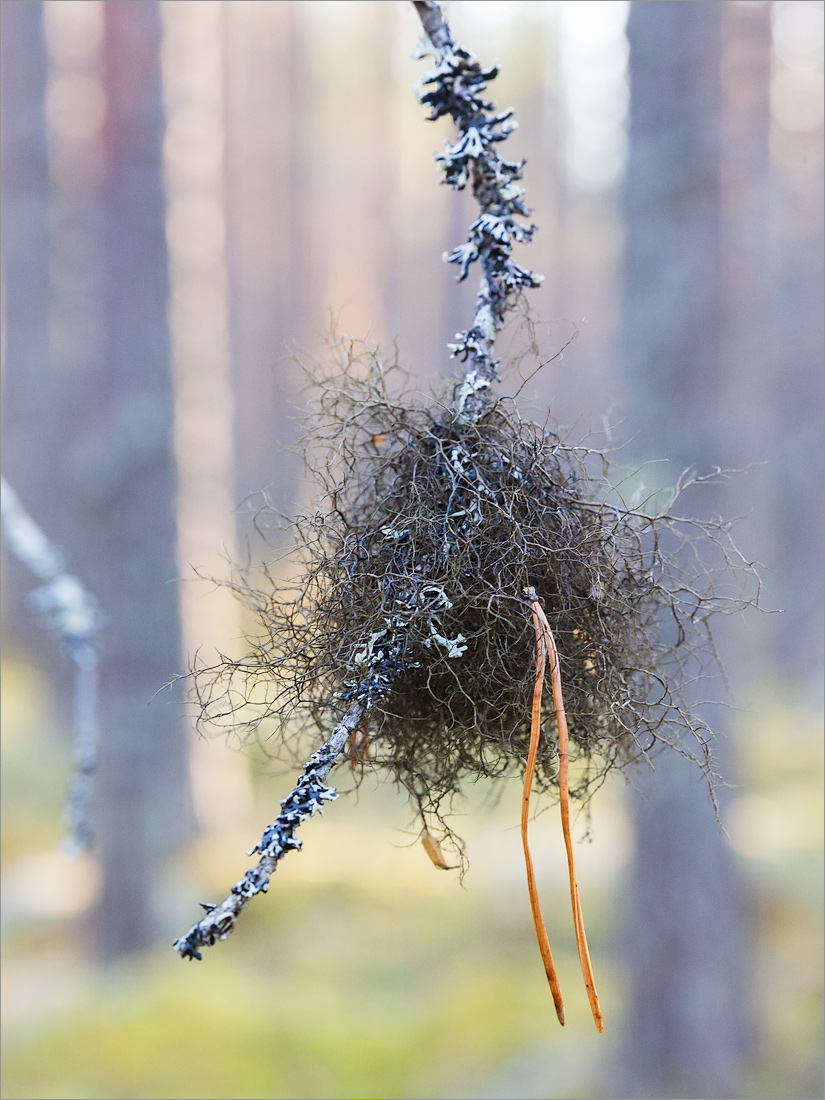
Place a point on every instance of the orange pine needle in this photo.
(535, 904)
(548, 648)
(364, 749)
(353, 749)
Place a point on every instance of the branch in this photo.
(435, 26)
(454, 88)
(457, 82)
(382, 657)
(73, 614)
(308, 795)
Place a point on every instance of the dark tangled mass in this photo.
(409, 598)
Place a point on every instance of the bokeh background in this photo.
(197, 192)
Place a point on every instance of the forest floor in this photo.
(367, 972)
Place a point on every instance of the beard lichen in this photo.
(407, 598)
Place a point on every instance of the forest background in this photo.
(192, 192)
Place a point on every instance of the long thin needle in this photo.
(543, 628)
(535, 904)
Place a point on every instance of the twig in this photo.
(308, 795)
(73, 614)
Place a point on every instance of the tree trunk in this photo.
(683, 935)
(88, 397)
(28, 414)
(795, 241)
(125, 484)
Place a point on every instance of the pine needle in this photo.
(535, 904)
(546, 647)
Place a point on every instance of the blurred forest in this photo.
(194, 195)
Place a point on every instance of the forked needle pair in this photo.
(546, 648)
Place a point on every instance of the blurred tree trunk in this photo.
(684, 925)
(748, 362)
(88, 399)
(28, 411)
(125, 484)
(795, 241)
(267, 241)
(308, 200)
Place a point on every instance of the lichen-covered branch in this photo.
(454, 87)
(431, 520)
(375, 668)
(73, 614)
(308, 796)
